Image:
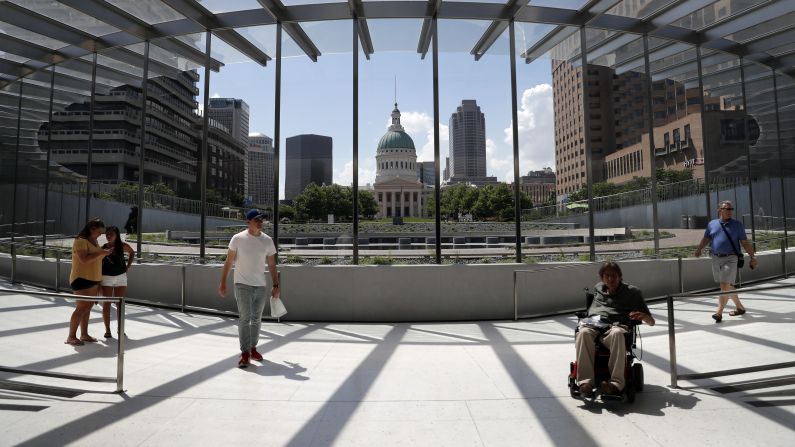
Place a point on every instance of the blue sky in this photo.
(316, 96)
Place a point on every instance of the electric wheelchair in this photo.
(633, 372)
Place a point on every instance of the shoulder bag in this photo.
(740, 259)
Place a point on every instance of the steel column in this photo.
(704, 151)
(203, 155)
(436, 161)
(780, 162)
(650, 118)
(91, 135)
(746, 128)
(355, 187)
(277, 112)
(141, 158)
(16, 169)
(517, 193)
(586, 125)
(47, 164)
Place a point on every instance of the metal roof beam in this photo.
(497, 27)
(128, 23)
(193, 10)
(431, 9)
(281, 14)
(364, 31)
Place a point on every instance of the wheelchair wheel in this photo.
(637, 373)
(573, 388)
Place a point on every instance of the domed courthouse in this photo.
(397, 187)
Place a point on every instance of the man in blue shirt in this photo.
(725, 245)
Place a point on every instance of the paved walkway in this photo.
(495, 383)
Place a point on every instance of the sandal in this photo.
(737, 312)
(717, 317)
(88, 339)
(73, 342)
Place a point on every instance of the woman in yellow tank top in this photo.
(85, 278)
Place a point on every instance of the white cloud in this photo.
(344, 176)
(419, 125)
(215, 95)
(500, 162)
(536, 130)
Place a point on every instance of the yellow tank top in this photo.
(92, 270)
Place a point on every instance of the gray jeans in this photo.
(250, 304)
(613, 339)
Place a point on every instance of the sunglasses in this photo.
(728, 209)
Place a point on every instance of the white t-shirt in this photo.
(251, 259)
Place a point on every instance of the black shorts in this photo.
(82, 284)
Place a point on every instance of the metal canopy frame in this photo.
(197, 19)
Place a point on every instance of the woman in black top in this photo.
(114, 271)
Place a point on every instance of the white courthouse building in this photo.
(397, 187)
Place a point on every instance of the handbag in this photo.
(277, 308)
(740, 258)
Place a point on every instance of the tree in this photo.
(286, 211)
(368, 206)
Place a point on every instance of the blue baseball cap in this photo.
(254, 214)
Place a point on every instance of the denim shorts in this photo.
(114, 281)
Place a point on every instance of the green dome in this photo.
(396, 140)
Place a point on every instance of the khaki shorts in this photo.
(724, 269)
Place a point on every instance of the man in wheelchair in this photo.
(616, 307)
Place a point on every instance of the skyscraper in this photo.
(426, 171)
(309, 160)
(233, 114)
(468, 144)
(259, 170)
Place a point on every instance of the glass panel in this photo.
(475, 108)
(67, 15)
(621, 165)
(316, 146)
(32, 165)
(219, 6)
(638, 9)
(396, 153)
(67, 138)
(241, 152)
(768, 214)
(150, 11)
(764, 28)
(678, 148)
(785, 89)
(546, 100)
(172, 155)
(566, 4)
(726, 143)
(30, 36)
(9, 116)
(714, 12)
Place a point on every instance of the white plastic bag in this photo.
(277, 308)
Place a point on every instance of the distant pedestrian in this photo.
(250, 252)
(725, 235)
(131, 226)
(114, 272)
(85, 277)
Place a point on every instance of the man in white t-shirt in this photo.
(250, 251)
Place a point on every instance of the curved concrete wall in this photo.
(405, 293)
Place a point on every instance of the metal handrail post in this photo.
(672, 341)
(183, 291)
(13, 263)
(515, 298)
(57, 270)
(784, 258)
(681, 277)
(120, 356)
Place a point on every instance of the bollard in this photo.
(120, 357)
(57, 270)
(784, 258)
(183, 291)
(681, 278)
(672, 342)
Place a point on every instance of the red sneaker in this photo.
(244, 361)
(256, 355)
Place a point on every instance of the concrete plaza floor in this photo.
(493, 383)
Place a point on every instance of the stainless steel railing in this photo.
(675, 376)
(119, 379)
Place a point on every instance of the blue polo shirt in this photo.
(718, 241)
